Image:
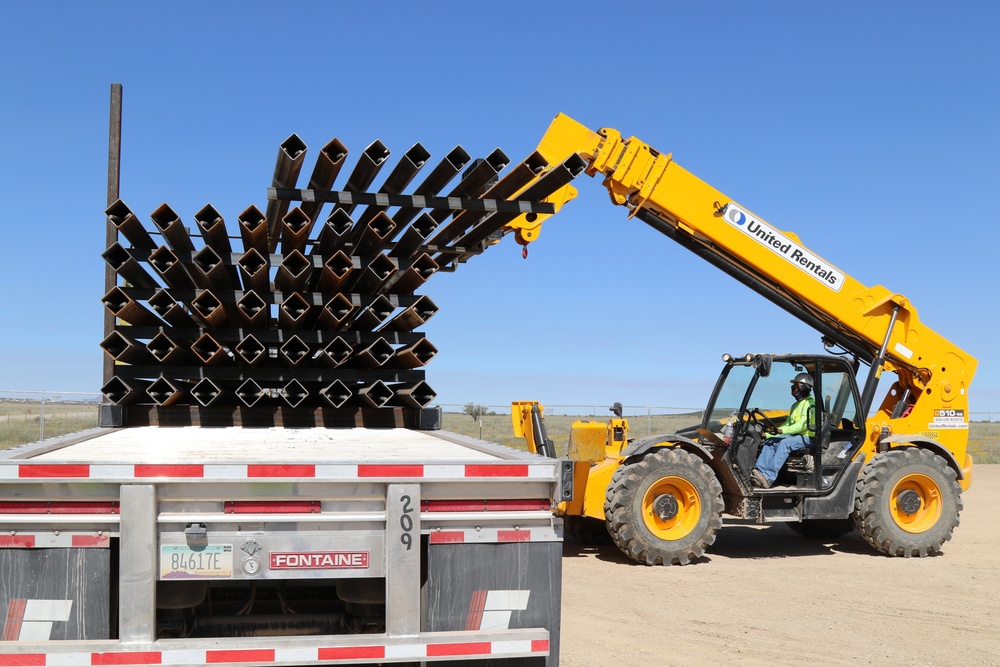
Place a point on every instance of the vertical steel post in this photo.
(402, 552)
(138, 571)
(114, 177)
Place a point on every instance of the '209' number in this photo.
(406, 523)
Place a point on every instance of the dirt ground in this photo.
(765, 596)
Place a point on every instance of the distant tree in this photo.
(475, 411)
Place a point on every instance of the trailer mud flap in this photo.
(55, 594)
(489, 586)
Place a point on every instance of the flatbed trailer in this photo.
(191, 545)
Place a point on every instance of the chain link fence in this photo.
(27, 416)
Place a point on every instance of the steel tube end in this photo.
(294, 351)
(375, 395)
(165, 392)
(253, 230)
(293, 312)
(294, 393)
(250, 351)
(336, 393)
(335, 312)
(418, 395)
(120, 392)
(209, 351)
(125, 221)
(206, 392)
(335, 352)
(253, 310)
(249, 393)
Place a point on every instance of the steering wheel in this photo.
(763, 420)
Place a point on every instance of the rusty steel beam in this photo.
(369, 164)
(335, 312)
(475, 181)
(371, 278)
(253, 310)
(209, 272)
(373, 355)
(404, 172)
(408, 279)
(414, 355)
(165, 391)
(328, 165)
(335, 232)
(209, 351)
(169, 309)
(170, 268)
(122, 219)
(168, 351)
(515, 180)
(375, 395)
(293, 313)
(412, 395)
(172, 229)
(125, 349)
(335, 353)
(335, 272)
(126, 308)
(210, 309)
(372, 315)
(369, 238)
(207, 392)
(250, 351)
(294, 351)
(120, 392)
(415, 235)
(293, 272)
(294, 230)
(253, 230)
(254, 272)
(291, 155)
(213, 232)
(337, 394)
(121, 262)
(544, 186)
(411, 318)
(294, 393)
(439, 177)
(249, 393)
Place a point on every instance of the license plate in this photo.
(213, 561)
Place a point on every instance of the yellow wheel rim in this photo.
(671, 508)
(915, 503)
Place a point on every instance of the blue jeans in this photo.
(775, 452)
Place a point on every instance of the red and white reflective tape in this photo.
(492, 535)
(319, 471)
(259, 656)
(53, 540)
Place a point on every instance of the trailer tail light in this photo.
(59, 507)
(531, 505)
(273, 507)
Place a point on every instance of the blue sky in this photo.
(868, 129)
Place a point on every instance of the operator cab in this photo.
(752, 398)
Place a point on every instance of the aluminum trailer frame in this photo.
(461, 543)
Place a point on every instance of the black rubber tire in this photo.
(878, 516)
(586, 530)
(822, 529)
(629, 508)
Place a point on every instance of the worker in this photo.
(795, 434)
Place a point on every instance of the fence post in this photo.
(41, 419)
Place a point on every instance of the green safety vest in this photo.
(798, 419)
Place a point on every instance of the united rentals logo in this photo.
(784, 247)
(319, 560)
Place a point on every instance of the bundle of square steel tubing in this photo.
(305, 314)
